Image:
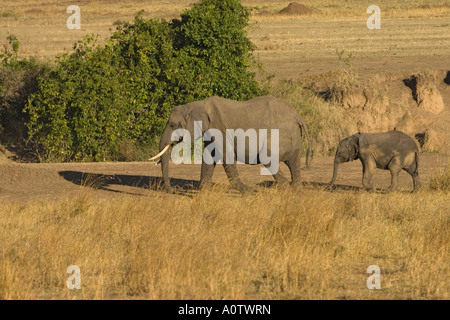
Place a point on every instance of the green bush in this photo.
(101, 96)
(214, 50)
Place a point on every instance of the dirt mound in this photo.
(295, 8)
(431, 141)
(425, 92)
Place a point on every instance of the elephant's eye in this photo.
(173, 125)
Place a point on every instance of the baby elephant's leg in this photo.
(369, 168)
(394, 168)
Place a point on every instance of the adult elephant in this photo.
(225, 116)
(393, 151)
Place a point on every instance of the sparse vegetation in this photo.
(440, 179)
(8, 14)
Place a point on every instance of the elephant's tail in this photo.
(302, 125)
(416, 160)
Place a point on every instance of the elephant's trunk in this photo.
(335, 170)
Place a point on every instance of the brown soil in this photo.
(293, 9)
(297, 9)
(36, 182)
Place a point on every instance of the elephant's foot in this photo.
(205, 185)
(281, 183)
(242, 188)
(390, 189)
(369, 186)
(371, 189)
(169, 189)
(297, 186)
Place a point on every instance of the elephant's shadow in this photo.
(182, 186)
(106, 181)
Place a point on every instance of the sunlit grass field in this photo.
(276, 244)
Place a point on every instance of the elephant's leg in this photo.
(280, 179)
(207, 169)
(415, 176)
(233, 177)
(394, 168)
(369, 168)
(416, 180)
(294, 165)
(206, 174)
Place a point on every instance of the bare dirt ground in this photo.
(35, 182)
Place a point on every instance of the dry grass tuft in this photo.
(440, 179)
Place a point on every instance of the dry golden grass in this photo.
(440, 178)
(276, 244)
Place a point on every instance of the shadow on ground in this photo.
(105, 182)
(181, 186)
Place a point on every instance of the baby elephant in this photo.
(393, 151)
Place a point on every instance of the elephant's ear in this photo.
(354, 145)
(363, 141)
(197, 113)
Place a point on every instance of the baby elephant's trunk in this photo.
(335, 170)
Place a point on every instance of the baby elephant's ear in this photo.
(354, 146)
(362, 140)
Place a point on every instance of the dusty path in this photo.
(20, 181)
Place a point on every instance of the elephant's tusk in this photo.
(161, 153)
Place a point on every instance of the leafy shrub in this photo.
(211, 41)
(101, 96)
